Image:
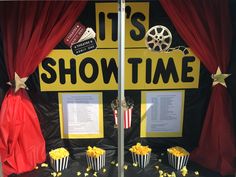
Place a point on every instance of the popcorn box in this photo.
(96, 163)
(179, 160)
(141, 160)
(59, 164)
(127, 117)
(59, 159)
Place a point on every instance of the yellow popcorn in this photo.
(54, 174)
(94, 151)
(173, 174)
(86, 174)
(116, 164)
(44, 165)
(139, 149)
(58, 153)
(165, 174)
(78, 173)
(95, 173)
(159, 160)
(161, 172)
(135, 164)
(184, 171)
(113, 162)
(36, 167)
(104, 170)
(59, 174)
(157, 167)
(88, 169)
(178, 151)
(196, 173)
(125, 167)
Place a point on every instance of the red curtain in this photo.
(205, 26)
(30, 30)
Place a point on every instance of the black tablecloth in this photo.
(77, 163)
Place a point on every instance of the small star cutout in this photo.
(219, 78)
(18, 83)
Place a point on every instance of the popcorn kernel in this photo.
(160, 172)
(44, 165)
(88, 169)
(113, 162)
(173, 174)
(54, 174)
(135, 164)
(59, 174)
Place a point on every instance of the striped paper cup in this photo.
(141, 160)
(59, 164)
(96, 163)
(127, 117)
(177, 162)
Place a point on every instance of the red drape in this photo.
(205, 26)
(30, 30)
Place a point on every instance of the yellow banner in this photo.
(136, 24)
(97, 70)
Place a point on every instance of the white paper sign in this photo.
(163, 110)
(81, 114)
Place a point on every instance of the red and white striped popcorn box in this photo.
(127, 117)
(141, 160)
(59, 164)
(96, 163)
(177, 162)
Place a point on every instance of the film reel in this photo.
(158, 38)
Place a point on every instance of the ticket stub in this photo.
(84, 46)
(75, 34)
(89, 33)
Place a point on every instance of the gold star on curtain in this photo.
(18, 83)
(219, 78)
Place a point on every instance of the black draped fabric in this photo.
(3, 75)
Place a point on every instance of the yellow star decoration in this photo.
(219, 78)
(18, 83)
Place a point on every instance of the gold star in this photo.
(18, 83)
(219, 78)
